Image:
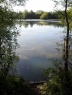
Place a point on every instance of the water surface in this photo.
(37, 42)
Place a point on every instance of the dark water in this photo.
(37, 50)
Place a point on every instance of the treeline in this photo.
(36, 15)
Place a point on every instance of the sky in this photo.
(45, 5)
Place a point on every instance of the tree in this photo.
(66, 18)
(60, 82)
(38, 14)
(53, 15)
(44, 15)
(67, 21)
(20, 15)
(8, 34)
(8, 42)
(31, 15)
(25, 14)
(14, 2)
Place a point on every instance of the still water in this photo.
(37, 50)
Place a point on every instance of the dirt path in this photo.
(38, 88)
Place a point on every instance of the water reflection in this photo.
(39, 23)
(37, 48)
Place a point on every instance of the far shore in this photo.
(52, 20)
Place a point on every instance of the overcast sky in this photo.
(45, 5)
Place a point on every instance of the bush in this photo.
(12, 85)
(60, 82)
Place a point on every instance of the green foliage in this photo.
(1, 1)
(70, 17)
(19, 15)
(9, 85)
(14, 2)
(57, 84)
(25, 14)
(36, 15)
(44, 15)
(12, 85)
(31, 15)
(8, 42)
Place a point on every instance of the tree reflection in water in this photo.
(27, 23)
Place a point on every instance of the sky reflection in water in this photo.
(37, 42)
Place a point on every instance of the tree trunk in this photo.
(67, 37)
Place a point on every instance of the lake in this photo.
(37, 50)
